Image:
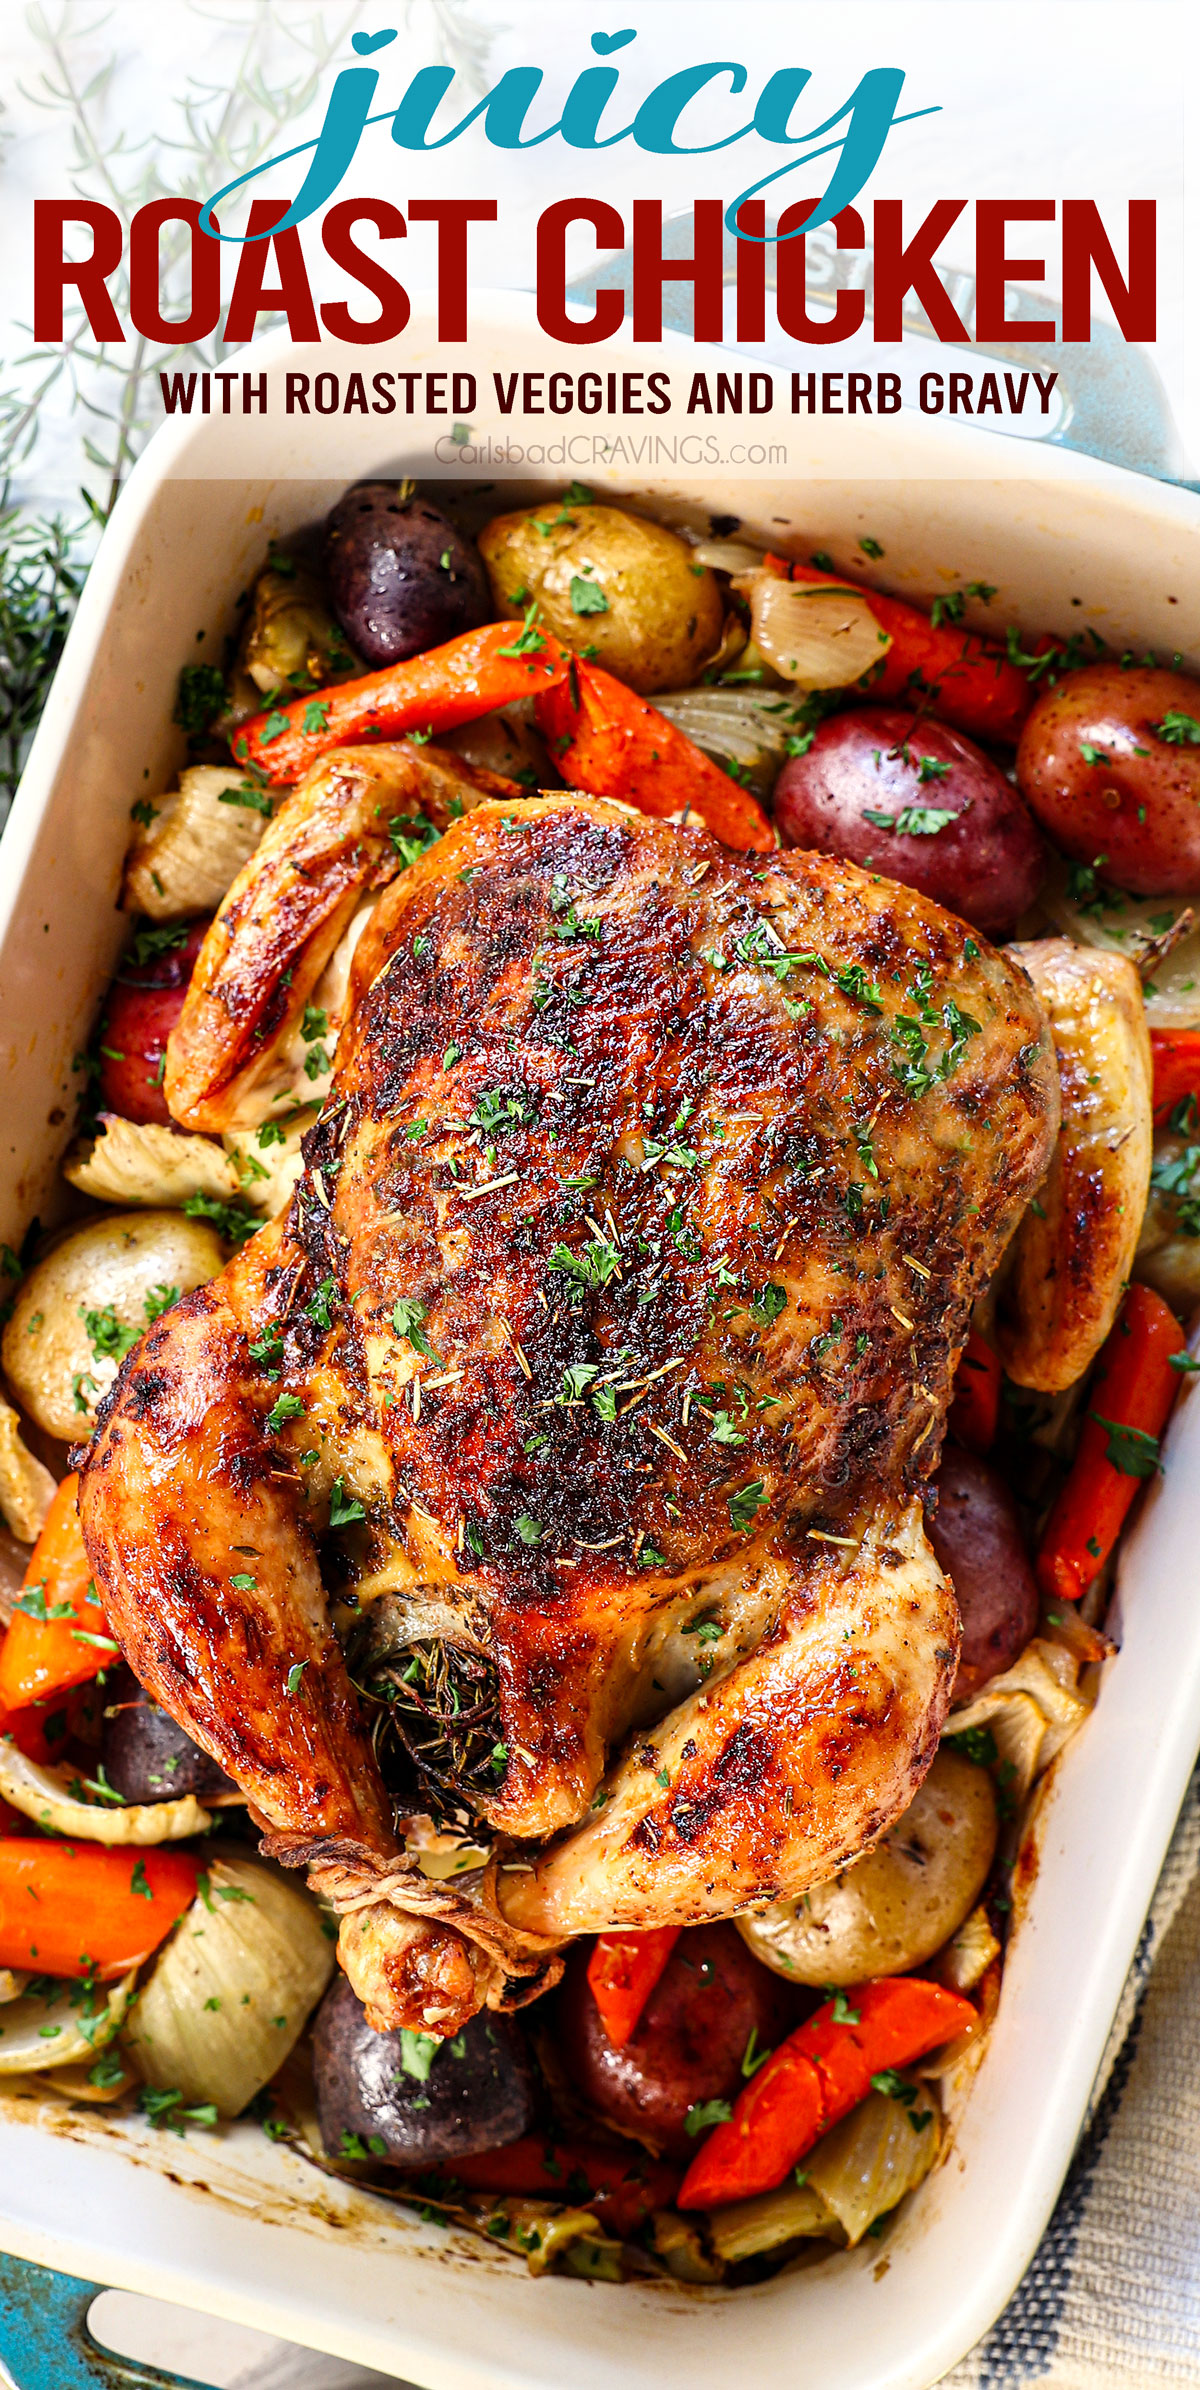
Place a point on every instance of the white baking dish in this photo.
(239, 2227)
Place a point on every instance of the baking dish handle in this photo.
(45, 2342)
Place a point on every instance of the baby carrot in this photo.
(1130, 1397)
(455, 683)
(58, 1636)
(814, 2079)
(71, 1908)
(611, 743)
(1175, 1054)
(957, 676)
(623, 1971)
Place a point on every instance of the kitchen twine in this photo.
(1112, 2298)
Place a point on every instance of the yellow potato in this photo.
(891, 1910)
(627, 591)
(72, 1315)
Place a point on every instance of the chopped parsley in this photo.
(233, 1221)
(1129, 1449)
(411, 835)
(1177, 730)
(913, 821)
(587, 597)
(344, 1511)
(745, 1505)
(593, 1267)
(200, 699)
(529, 640)
(247, 793)
(407, 1316)
(109, 1337)
(704, 2114)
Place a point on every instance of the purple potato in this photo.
(147, 1757)
(401, 577)
(478, 2092)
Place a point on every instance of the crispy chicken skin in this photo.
(623, 1289)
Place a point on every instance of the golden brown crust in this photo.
(329, 843)
(631, 1263)
(1072, 1257)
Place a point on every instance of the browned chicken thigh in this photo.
(578, 1412)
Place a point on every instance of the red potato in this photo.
(141, 1009)
(976, 1534)
(1109, 760)
(690, 2042)
(877, 785)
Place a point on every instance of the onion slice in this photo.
(232, 1989)
(133, 1161)
(61, 2025)
(47, 1796)
(26, 1486)
(816, 635)
(1094, 915)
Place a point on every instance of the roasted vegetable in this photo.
(57, 1637)
(819, 635)
(889, 1910)
(506, 743)
(1110, 762)
(946, 670)
(56, 1800)
(713, 2008)
(410, 2099)
(26, 1486)
(977, 1534)
(620, 2184)
(975, 1406)
(1168, 1253)
(402, 577)
(1073, 1252)
(1129, 1402)
(858, 2172)
(140, 1162)
(1159, 934)
(1023, 1719)
(745, 731)
(192, 843)
(291, 640)
(146, 1757)
(74, 1909)
(613, 744)
(622, 1972)
(822, 2071)
(81, 1308)
(140, 1011)
(624, 592)
(233, 1990)
(59, 2024)
(479, 673)
(267, 1161)
(919, 802)
(1175, 1059)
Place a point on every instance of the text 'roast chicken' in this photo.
(553, 1469)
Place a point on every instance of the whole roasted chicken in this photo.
(531, 1520)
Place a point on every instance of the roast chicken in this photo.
(531, 1520)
